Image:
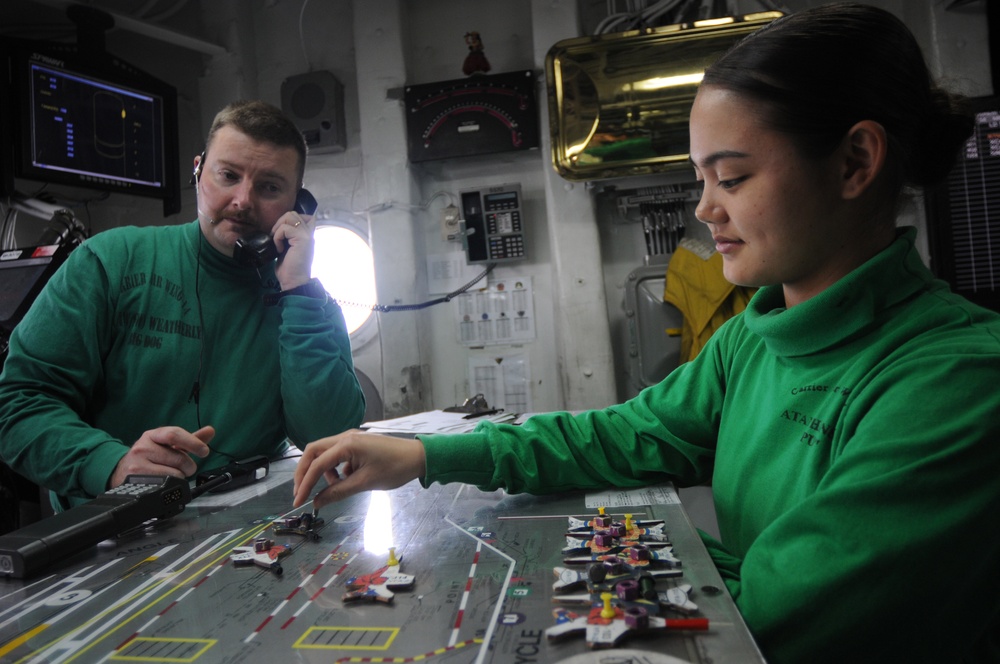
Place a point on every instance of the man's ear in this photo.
(863, 151)
(196, 173)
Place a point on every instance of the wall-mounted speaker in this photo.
(315, 102)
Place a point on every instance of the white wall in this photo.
(563, 363)
(568, 369)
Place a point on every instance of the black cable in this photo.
(196, 387)
(423, 305)
(6, 221)
(214, 483)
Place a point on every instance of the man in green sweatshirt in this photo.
(153, 351)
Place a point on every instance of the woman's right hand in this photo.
(356, 461)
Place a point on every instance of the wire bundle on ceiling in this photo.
(638, 14)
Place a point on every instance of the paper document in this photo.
(434, 421)
(664, 494)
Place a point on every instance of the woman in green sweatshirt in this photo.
(849, 419)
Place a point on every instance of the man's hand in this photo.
(293, 235)
(366, 460)
(164, 451)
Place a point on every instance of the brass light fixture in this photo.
(619, 104)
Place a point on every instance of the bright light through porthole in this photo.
(343, 262)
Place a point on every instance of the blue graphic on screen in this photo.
(103, 133)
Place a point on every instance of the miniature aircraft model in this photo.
(623, 562)
(601, 534)
(634, 557)
(627, 587)
(379, 585)
(629, 530)
(305, 525)
(264, 553)
(606, 624)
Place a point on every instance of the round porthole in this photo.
(343, 261)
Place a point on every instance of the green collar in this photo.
(849, 308)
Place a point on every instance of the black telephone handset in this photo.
(258, 250)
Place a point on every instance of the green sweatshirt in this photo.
(853, 444)
(116, 341)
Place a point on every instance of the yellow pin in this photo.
(607, 611)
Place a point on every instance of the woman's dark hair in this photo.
(820, 71)
(261, 122)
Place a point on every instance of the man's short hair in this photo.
(262, 122)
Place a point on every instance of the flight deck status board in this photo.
(446, 574)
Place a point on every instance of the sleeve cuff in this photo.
(457, 458)
(99, 467)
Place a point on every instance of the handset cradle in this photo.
(258, 249)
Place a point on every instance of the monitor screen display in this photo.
(105, 133)
(87, 120)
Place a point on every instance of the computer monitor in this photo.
(90, 120)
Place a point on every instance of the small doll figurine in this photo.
(476, 61)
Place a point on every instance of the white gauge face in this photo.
(471, 116)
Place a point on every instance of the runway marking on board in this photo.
(73, 644)
(495, 619)
(415, 658)
(21, 640)
(465, 595)
(163, 649)
(61, 588)
(333, 555)
(347, 638)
